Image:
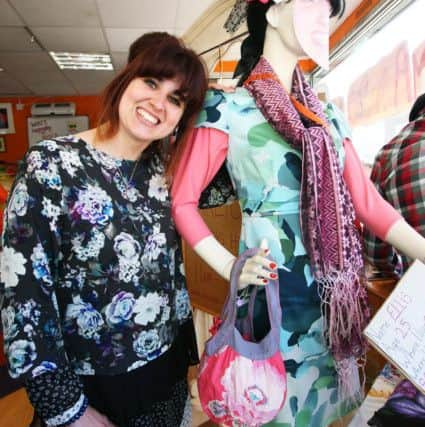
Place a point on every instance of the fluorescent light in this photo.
(82, 61)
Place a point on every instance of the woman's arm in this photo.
(30, 314)
(376, 213)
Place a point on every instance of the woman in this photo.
(96, 314)
(299, 184)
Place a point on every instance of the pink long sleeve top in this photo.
(207, 150)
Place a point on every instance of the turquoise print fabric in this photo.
(266, 174)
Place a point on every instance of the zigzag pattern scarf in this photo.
(326, 214)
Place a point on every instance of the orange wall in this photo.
(17, 143)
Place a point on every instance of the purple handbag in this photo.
(243, 382)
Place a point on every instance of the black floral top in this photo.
(92, 270)
(91, 273)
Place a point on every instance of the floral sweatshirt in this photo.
(91, 269)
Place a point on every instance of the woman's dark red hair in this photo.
(162, 57)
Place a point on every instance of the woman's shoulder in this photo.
(51, 148)
(49, 156)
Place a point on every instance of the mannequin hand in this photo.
(219, 86)
(92, 418)
(258, 269)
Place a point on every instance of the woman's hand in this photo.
(258, 269)
(92, 418)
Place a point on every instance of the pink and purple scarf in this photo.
(326, 215)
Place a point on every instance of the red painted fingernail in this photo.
(273, 265)
(273, 275)
(265, 281)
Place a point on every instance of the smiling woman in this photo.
(96, 314)
(158, 93)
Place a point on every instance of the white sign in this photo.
(398, 328)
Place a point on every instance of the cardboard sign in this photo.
(398, 328)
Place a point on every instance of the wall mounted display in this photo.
(6, 118)
(48, 127)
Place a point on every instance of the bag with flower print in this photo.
(242, 382)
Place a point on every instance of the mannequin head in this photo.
(303, 27)
(300, 24)
(418, 108)
(280, 17)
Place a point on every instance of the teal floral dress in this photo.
(266, 173)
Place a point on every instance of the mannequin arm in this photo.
(371, 208)
(201, 159)
(407, 240)
(376, 213)
(216, 256)
(256, 270)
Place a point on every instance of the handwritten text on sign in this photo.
(398, 328)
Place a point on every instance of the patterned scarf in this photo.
(326, 214)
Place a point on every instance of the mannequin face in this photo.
(303, 26)
(280, 17)
(311, 23)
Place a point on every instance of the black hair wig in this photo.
(252, 46)
(417, 108)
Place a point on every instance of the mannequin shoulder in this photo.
(337, 120)
(215, 97)
(219, 106)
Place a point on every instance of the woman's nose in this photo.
(158, 101)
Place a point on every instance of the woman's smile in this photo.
(147, 117)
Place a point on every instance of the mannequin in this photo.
(281, 153)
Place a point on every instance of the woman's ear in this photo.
(272, 16)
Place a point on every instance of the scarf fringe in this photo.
(351, 381)
(343, 299)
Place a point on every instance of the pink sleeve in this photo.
(204, 154)
(371, 208)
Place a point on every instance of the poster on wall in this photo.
(6, 118)
(48, 127)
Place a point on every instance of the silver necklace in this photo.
(127, 182)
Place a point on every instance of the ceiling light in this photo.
(82, 61)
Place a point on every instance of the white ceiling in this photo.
(101, 26)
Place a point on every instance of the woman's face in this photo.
(303, 26)
(150, 109)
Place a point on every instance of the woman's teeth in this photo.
(147, 116)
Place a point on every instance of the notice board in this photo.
(398, 328)
(47, 127)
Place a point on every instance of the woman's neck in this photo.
(119, 146)
(282, 59)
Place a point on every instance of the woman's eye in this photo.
(175, 100)
(151, 83)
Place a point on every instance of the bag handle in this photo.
(272, 295)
